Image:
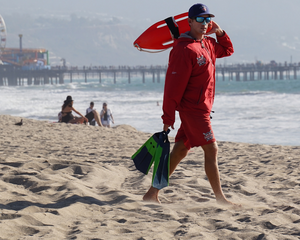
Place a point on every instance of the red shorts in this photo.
(195, 130)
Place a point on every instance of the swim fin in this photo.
(144, 157)
(160, 178)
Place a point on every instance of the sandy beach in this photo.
(64, 181)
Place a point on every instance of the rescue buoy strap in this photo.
(148, 51)
(172, 25)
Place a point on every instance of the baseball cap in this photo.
(198, 10)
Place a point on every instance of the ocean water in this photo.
(264, 111)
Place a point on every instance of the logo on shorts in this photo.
(208, 136)
(201, 60)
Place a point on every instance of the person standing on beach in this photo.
(190, 89)
(106, 116)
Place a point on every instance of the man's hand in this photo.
(166, 127)
(215, 28)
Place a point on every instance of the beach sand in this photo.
(64, 181)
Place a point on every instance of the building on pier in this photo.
(26, 58)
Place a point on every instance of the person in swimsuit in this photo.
(67, 116)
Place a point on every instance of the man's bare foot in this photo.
(151, 195)
(225, 202)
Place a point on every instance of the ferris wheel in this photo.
(2, 34)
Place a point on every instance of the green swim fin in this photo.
(161, 170)
(144, 157)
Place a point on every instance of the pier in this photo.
(251, 72)
(17, 76)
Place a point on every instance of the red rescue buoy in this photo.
(160, 36)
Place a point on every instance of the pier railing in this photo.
(13, 75)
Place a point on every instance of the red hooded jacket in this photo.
(190, 78)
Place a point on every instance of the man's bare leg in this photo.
(212, 172)
(178, 153)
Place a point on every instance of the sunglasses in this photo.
(202, 19)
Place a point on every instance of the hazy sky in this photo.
(250, 24)
(262, 15)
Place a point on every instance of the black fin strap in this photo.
(172, 25)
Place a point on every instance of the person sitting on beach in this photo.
(67, 116)
(92, 115)
(106, 116)
(89, 110)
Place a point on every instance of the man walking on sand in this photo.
(190, 89)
